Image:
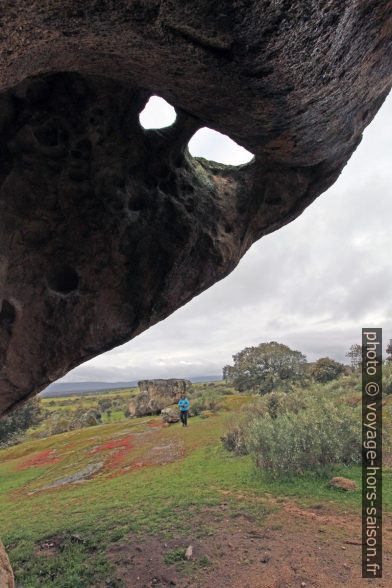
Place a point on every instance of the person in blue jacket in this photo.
(184, 405)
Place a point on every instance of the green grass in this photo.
(174, 555)
(160, 499)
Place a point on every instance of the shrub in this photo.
(322, 435)
(206, 401)
(234, 439)
(279, 402)
(387, 378)
(311, 428)
(271, 405)
(14, 425)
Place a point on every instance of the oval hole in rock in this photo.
(157, 114)
(64, 280)
(217, 147)
(7, 314)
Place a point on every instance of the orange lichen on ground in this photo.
(119, 448)
(124, 443)
(42, 458)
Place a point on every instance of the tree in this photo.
(326, 369)
(355, 356)
(387, 378)
(265, 367)
(21, 419)
(389, 352)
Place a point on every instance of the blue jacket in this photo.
(184, 404)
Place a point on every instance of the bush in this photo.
(312, 428)
(234, 439)
(322, 435)
(387, 378)
(279, 402)
(206, 401)
(19, 420)
(271, 405)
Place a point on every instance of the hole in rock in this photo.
(137, 203)
(157, 114)
(7, 314)
(64, 280)
(217, 147)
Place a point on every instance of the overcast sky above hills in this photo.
(312, 285)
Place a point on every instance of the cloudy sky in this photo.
(311, 285)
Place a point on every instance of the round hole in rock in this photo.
(157, 114)
(217, 147)
(64, 280)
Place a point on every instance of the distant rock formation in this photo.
(6, 574)
(156, 395)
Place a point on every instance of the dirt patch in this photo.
(157, 424)
(49, 547)
(141, 563)
(292, 548)
(46, 457)
(52, 546)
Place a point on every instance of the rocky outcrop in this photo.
(105, 228)
(156, 395)
(6, 574)
(171, 414)
(343, 483)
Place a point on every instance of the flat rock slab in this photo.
(76, 478)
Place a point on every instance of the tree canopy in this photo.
(354, 354)
(265, 367)
(389, 352)
(326, 369)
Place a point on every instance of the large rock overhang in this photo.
(106, 228)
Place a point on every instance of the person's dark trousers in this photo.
(184, 418)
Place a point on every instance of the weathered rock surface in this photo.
(156, 395)
(105, 228)
(343, 483)
(6, 574)
(170, 414)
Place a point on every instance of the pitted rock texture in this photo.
(156, 395)
(105, 228)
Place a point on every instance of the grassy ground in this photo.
(85, 401)
(150, 481)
